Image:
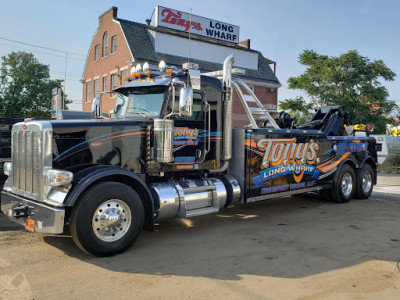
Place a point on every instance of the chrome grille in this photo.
(26, 161)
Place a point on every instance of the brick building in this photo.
(118, 44)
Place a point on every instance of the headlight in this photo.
(7, 168)
(58, 178)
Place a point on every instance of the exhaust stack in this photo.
(227, 84)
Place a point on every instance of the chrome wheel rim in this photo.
(347, 184)
(367, 182)
(111, 220)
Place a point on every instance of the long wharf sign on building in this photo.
(175, 19)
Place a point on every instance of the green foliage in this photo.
(297, 107)
(25, 87)
(350, 80)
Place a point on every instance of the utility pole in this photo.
(65, 80)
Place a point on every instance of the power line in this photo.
(32, 45)
(36, 51)
(70, 74)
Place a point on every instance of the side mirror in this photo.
(96, 108)
(186, 102)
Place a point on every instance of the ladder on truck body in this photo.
(253, 113)
(259, 112)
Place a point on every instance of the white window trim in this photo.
(88, 100)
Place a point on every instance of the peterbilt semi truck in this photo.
(170, 150)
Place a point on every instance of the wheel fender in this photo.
(90, 176)
(370, 161)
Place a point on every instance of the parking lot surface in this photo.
(287, 248)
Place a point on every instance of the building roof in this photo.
(141, 46)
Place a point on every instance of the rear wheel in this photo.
(364, 182)
(344, 186)
(107, 219)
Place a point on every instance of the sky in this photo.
(281, 30)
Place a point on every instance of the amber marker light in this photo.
(126, 78)
(148, 73)
(169, 71)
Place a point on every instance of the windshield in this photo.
(144, 101)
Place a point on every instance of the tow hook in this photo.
(22, 211)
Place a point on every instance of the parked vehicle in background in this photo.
(171, 151)
(5, 144)
(388, 150)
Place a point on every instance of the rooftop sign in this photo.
(175, 19)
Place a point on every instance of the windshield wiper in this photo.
(142, 114)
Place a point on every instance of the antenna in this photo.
(190, 32)
(148, 21)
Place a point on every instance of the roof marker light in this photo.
(162, 66)
(138, 69)
(146, 67)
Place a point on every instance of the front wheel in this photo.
(107, 219)
(365, 182)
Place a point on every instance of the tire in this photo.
(107, 219)
(325, 195)
(344, 185)
(364, 182)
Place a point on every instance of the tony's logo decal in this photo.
(285, 156)
(186, 136)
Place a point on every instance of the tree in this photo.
(350, 80)
(25, 87)
(297, 107)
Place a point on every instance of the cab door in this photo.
(189, 138)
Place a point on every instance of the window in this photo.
(96, 53)
(96, 87)
(113, 83)
(104, 83)
(105, 44)
(124, 74)
(88, 91)
(114, 44)
(140, 101)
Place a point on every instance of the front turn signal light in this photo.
(58, 177)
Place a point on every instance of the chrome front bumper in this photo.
(18, 209)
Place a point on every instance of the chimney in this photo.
(245, 43)
(111, 13)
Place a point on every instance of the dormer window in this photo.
(105, 44)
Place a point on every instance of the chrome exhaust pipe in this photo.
(227, 83)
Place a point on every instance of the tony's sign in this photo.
(175, 19)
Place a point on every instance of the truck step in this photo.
(201, 211)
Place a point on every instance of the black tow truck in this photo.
(169, 151)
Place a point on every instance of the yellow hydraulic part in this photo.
(360, 127)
